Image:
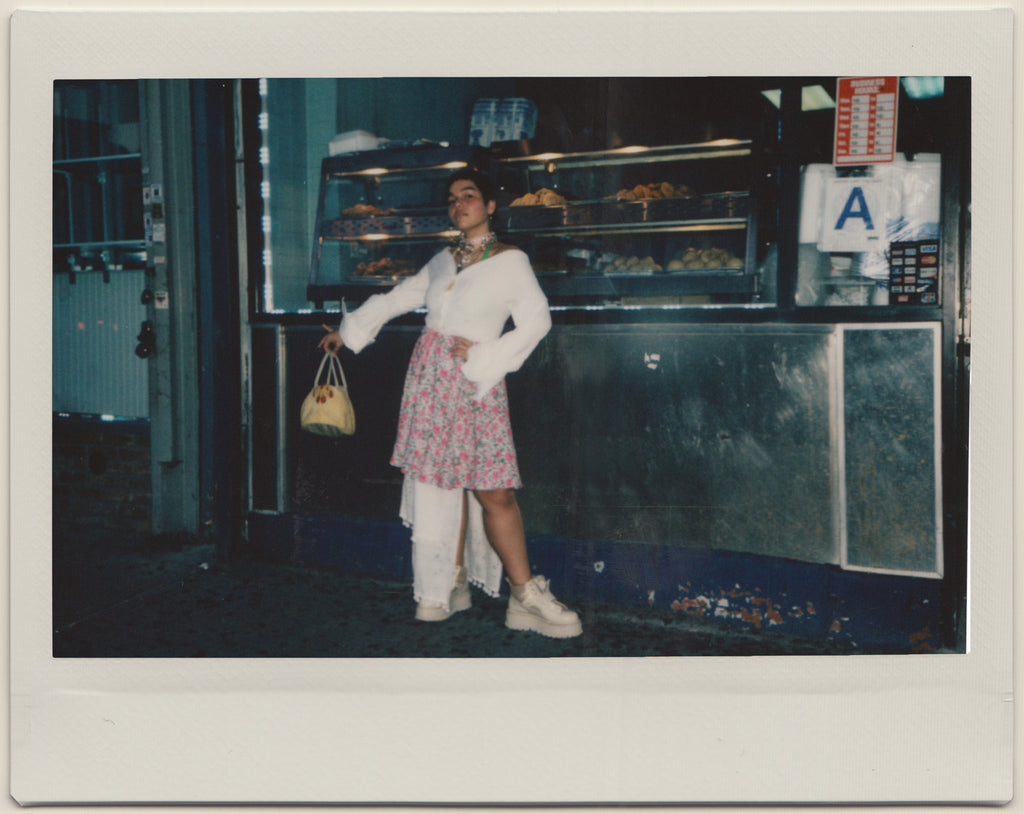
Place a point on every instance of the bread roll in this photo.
(549, 197)
(529, 199)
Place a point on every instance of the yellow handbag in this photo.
(327, 410)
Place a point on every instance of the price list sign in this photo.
(865, 120)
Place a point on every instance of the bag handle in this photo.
(338, 371)
(335, 372)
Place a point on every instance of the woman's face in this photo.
(467, 209)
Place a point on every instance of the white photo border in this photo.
(906, 729)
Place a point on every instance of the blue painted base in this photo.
(772, 594)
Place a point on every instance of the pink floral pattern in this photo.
(447, 438)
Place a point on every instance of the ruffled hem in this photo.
(491, 592)
(430, 603)
(434, 516)
(420, 599)
(440, 481)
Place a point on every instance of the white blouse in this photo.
(474, 304)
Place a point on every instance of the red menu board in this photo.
(865, 120)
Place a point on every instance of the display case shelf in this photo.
(422, 226)
(730, 208)
(711, 225)
(656, 284)
(624, 156)
(576, 288)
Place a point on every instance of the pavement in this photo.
(121, 595)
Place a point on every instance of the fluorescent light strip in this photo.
(812, 97)
(923, 87)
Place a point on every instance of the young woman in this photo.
(454, 443)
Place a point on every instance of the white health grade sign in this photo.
(865, 120)
(854, 215)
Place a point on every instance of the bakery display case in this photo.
(636, 226)
(669, 225)
(380, 216)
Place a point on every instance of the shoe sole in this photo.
(460, 602)
(529, 622)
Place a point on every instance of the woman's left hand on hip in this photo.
(460, 347)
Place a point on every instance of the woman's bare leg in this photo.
(504, 526)
(531, 606)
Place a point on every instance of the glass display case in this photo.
(635, 226)
(381, 215)
(638, 225)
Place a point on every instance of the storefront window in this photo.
(870, 236)
(640, 193)
(620, 201)
(304, 121)
(870, 195)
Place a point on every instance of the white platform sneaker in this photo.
(459, 600)
(537, 609)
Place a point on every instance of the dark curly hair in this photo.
(481, 179)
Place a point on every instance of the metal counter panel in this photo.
(893, 520)
(680, 435)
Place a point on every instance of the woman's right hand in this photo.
(332, 342)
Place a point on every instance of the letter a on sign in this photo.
(856, 207)
(854, 218)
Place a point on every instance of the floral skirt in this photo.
(446, 438)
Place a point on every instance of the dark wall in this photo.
(588, 113)
(399, 108)
(101, 476)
